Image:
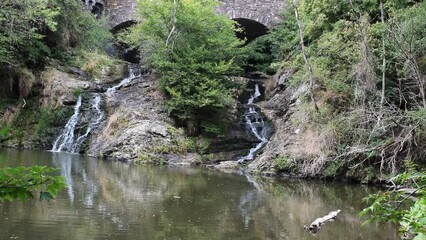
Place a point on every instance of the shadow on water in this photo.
(114, 200)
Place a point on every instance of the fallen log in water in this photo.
(315, 225)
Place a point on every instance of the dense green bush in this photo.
(33, 30)
(4, 132)
(193, 49)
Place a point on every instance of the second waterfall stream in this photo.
(256, 124)
(86, 118)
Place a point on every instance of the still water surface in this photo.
(114, 200)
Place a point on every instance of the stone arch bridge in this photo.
(255, 16)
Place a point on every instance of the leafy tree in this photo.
(404, 203)
(22, 182)
(194, 50)
(77, 28)
(21, 23)
(32, 30)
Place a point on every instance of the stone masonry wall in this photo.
(266, 12)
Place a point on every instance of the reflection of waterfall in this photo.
(250, 201)
(92, 190)
(77, 180)
(255, 123)
(132, 75)
(64, 162)
(67, 136)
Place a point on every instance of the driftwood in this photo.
(315, 225)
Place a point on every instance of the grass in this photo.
(284, 164)
(92, 63)
(4, 132)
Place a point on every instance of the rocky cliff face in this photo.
(137, 126)
(35, 122)
(137, 121)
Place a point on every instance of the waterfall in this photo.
(127, 80)
(96, 104)
(255, 123)
(67, 137)
(70, 141)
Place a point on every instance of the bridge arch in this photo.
(123, 26)
(126, 52)
(266, 12)
(251, 29)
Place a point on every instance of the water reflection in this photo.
(113, 200)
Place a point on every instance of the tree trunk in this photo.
(382, 99)
(305, 56)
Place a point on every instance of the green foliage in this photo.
(333, 169)
(77, 92)
(418, 116)
(31, 30)
(22, 182)
(344, 44)
(77, 28)
(92, 62)
(149, 158)
(4, 132)
(198, 144)
(266, 52)
(48, 117)
(283, 163)
(21, 23)
(404, 205)
(193, 49)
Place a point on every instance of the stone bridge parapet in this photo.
(266, 12)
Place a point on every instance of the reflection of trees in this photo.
(114, 200)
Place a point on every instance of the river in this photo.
(115, 200)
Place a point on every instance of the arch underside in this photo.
(251, 29)
(124, 50)
(123, 26)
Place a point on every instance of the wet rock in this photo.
(77, 71)
(68, 100)
(227, 167)
(60, 87)
(158, 130)
(137, 127)
(187, 160)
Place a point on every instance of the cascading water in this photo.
(71, 140)
(67, 137)
(132, 75)
(255, 123)
(96, 104)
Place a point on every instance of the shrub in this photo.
(284, 164)
(4, 132)
(193, 50)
